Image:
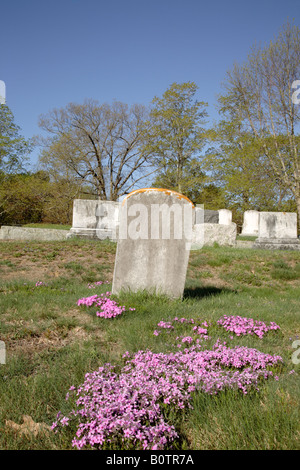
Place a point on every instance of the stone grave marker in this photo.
(95, 219)
(250, 223)
(206, 216)
(277, 230)
(225, 216)
(155, 236)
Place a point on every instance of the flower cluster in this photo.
(129, 408)
(108, 307)
(96, 284)
(198, 330)
(243, 326)
(169, 325)
(40, 284)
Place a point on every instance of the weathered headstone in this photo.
(95, 219)
(250, 223)
(155, 236)
(206, 216)
(277, 230)
(225, 216)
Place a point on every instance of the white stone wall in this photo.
(208, 234)
(29, 233)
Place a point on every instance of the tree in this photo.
(238, 167)
(99, 145)
(259, 106)
(22, 197)
(195, 184)
(13, 147)
(175, 134)
(33, 197)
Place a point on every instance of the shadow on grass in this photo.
(200, 292)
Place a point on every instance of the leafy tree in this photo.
(261, 120)
(34, 197)
(238, 167)
(13, 147)
(195, 184)
(97, 145)
(22, 197)
(175, 135)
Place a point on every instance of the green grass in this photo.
(248, 238)
(53, 226)
(51, 343)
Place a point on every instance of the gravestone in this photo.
(95, 219)
(250, 223)
(206, 216)
(155, 236)
(277, 230)
(225, 216)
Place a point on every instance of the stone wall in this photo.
(34, 234)
(208, 234)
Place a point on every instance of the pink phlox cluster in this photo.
(198, 330)
(184, 320)
(40, 284)
(96, 284)
(108, 307)
(130, 407)
(169, 325)
(187, 339)
(244, 326)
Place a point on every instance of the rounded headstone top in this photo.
(169, 192)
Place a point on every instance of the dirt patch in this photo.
(28, 427)
(28, 337)
(45, 261)
(47, 340)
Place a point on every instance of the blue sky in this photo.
(56, 52)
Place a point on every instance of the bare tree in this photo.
(98, 144)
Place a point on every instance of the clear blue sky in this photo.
(56, 52)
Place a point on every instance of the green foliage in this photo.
(33, 198)
(257, 155)
(13, 147)
(194, 184)
(176, 136)
(21, 198)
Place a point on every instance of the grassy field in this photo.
(51, 343)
